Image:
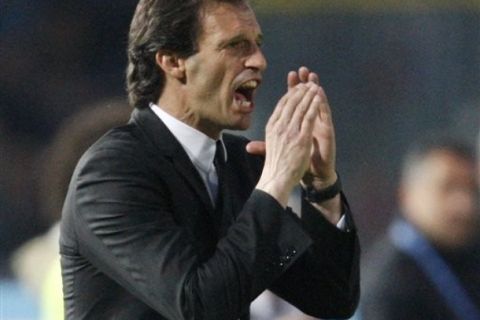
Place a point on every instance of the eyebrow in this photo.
(239, 37)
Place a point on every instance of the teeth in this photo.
(243, 103)
(252, 84)
(246, 104)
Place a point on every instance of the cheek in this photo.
(423, 201)
(437, 202)
(193, 67)
(202, 76)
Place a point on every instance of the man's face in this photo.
(441, 198)
(222, 77)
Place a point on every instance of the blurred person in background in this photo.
(36, 264)
(428, 264)
(169, 218)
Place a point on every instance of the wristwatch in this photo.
(312, 195)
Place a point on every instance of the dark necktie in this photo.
(219, 162)
(222, 208)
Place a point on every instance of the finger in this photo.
(279, 108)
(313, 77)
(325, 113)
(297, 95)
(258, 148)
(303, 73)
(315, 147)
(310, 116)
(302, 108)
(292, 79)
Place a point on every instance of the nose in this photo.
(256, 60)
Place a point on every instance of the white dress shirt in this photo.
(199, 147)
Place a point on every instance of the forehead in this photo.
(222, 20)
(440, 165)
(443, 163)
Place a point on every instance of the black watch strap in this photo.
(329, 192)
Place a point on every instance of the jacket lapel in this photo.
(169, 146)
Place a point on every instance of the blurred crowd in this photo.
(62, 86)
(56, 58)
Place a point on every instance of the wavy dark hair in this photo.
(169, 25)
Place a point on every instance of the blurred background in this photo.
(393, 71)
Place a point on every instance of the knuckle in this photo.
(291, 135)
(279, 129)
(301, 108)
(302, 87)
(310, 116)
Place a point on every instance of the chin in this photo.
(244, 125)
(238, 127)
(241, 124)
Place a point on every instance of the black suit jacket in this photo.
(140, 238)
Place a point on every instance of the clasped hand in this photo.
(299, 140)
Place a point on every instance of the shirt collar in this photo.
(200, 148)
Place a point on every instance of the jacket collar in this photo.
(199, 147)
(166, 143)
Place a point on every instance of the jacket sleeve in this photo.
(125, 226)
(324, 281)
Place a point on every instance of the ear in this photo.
(171, 64)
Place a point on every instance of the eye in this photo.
(239, 44)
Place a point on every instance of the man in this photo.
(427, 265)
(168, 218)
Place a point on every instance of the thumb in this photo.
(256, 148)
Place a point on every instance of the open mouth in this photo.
(243, 96)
